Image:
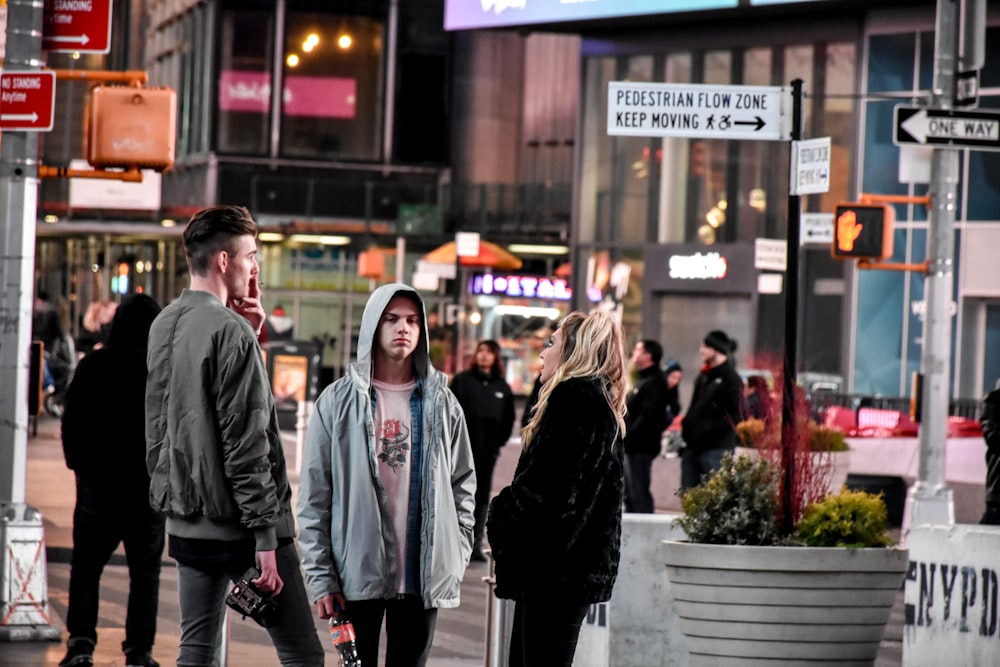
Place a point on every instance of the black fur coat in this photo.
(556, 530)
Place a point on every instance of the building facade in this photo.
(666, 213)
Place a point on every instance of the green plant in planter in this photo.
(826, 439)
(736, 505)
(848, 519)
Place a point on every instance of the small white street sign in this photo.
(810, 168)
(816, 229)
(770, 254)
(700, 111)
(467, 244)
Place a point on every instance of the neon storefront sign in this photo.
(699, 266)
(525, 287)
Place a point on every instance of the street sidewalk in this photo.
(50, 487)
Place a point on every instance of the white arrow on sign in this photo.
(33, 117)
(80, 39)
(920, 126)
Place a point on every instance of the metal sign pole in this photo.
(930, 500)
(24, 590)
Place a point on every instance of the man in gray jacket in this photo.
(213, 449)
(387, 493)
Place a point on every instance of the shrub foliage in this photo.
(847, 519)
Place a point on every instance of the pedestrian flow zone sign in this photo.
(946, 127)
(701, 111)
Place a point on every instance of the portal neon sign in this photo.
(526, 287)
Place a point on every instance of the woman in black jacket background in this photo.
(556, 530)
(488, 405)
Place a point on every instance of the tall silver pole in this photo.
(931, 501)
(24, 611)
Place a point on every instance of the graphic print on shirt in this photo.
(395, 445)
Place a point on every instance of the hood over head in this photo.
(376, 305)
(133, 317)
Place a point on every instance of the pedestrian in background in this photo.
(989, 417)
(488, 405)
(104, 444)
(556, 530)
(646, 420)
(673, 374)
(709, 427)
(387, 492)
(213, 447)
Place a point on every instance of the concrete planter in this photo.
(743, 605)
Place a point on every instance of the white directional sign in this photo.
(770, 254)
(701, 111)
(943, 127)
(810, 167)
(816, 229)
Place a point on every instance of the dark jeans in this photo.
(544, 634)
(695, 464)
(409, 630)
(638, 497)
(202, 591)
(100, 524)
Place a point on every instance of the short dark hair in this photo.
(654, 349)
(213, 229)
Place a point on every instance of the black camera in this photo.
(246, 599)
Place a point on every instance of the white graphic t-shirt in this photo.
(393, 447)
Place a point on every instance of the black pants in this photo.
(485, 460)
(409, 630)
(100, 524)
(544, 634)
(638, 469)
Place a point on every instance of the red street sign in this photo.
(82, 26)
(27, 100)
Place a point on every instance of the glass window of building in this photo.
(332, 106)
(244, 93)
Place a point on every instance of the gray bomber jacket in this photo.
(213, 449)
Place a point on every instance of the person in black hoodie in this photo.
(709, 427)
(488, 405)
(647, 419)
(103, 435)
(556, 530)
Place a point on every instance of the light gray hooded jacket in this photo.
(345, 529)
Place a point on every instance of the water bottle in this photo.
(342, 634)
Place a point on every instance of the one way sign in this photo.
(943, 127)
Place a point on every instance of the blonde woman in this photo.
(556, 530)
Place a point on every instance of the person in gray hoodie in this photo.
(387, 490)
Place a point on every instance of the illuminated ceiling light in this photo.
(345, 41)
(320, 239)
(706, 235)
(51, 218)
(292, 60)
(529, 249)
(168, 222)
(475, 317)
(312, 41)
(528, 311)
(76, 55)
(758, 200)
(270, 237)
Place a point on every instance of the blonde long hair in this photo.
(591, 347)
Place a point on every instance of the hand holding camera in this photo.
(248, 600)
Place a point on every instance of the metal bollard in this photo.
(499, 618)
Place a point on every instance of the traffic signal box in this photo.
(130, 126)
(862, 231)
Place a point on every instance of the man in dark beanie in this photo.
(709, 427)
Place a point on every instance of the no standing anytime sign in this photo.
(701, 111)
